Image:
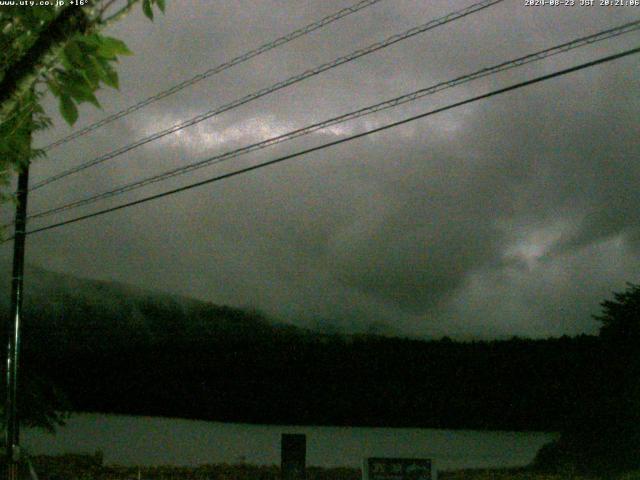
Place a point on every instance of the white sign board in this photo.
(378, 468)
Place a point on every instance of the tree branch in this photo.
(118, 15)
(24, 73)
(105, 6)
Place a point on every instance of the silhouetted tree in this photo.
(603, 436)
(620, 318)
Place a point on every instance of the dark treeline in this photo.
(370, 381)
(112, 351)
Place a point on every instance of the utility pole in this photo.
(12, 427)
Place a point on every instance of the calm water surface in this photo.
(129, 440)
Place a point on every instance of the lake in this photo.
(130, 440)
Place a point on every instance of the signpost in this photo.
(293, 456)
(399, 469)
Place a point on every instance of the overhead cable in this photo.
(275, 87)
(340, 141)
(215, 70)
(517, 62)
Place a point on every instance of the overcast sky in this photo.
(515, 215)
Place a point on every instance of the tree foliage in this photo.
(56, 49)
(620, 317)
(603, 435)
(60, 50)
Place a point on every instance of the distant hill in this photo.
(115, 348)
(71, 314)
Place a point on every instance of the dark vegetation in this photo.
(113, 349)
(90, 467)
(83, 467)
(306, 379)
(603, 435)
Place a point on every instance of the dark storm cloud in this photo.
(516, 215)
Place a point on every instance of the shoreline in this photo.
(83, 466)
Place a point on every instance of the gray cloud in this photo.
(515, 215)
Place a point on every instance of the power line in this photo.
(343, 140)
(540, 55)
(217, 69)
(275, 87)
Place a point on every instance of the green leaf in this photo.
(91, 42)
(54, 87)
(68, 109)
(110, 47)
(78, 86)
(112, 79)
(88, 50)
(161, 5)
(91, 75)
(146, 8)
(97, 69)
(110, 75)
(73, 54)
(65, 62)
(91, 98)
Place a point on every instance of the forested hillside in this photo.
(112, 348)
